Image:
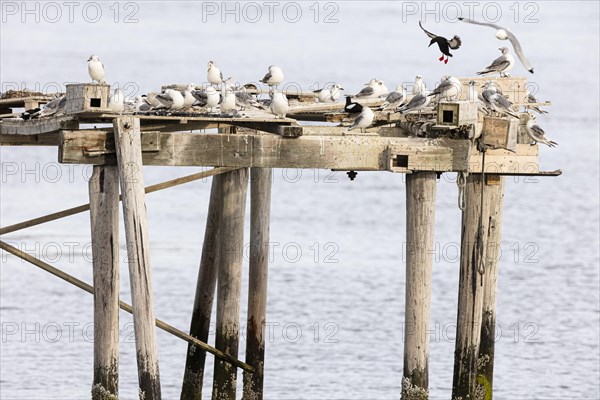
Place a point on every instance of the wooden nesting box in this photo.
(456, 113)
(500, 133)
(87, 97)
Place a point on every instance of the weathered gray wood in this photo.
(420, 219)
(231, 238)
(485, 364)
(87, 97)
(260, 212)
(358, 153)
(46, 139)
(474, 243)
(104, 216)
(129, 155)
(205, 293)
(37, 126)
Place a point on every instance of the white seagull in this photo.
(96, 69)
(536, 133)
(228, 102)
(274, 77)
(530, 98)
(502, 64)
(279, 104)
(188, 97)
(116, 101)
(419, 85)
(373, 89)
(172, 99)
(152, 100)
(330, 94)
(395, 98)
(505, 34)
(214, 74)
(418, 102)
(448, 89)
(495, 100)
(364, 119)
(208, 98)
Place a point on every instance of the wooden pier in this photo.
(450, 137)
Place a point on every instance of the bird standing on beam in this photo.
(444, 44)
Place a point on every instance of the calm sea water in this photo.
(336, 283)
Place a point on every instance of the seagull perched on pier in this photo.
(502, 64)
(418, 102)
(96, 69)
(449, 88)
(419, 85)
(536, 133)
(152, 100)
(505, 34)
(352, 107)
(363, 120)
(214, 74)
(373, 90)
(53, 107)
(141, 104)
(243, 99)
(207, 98)
(444, 44)
(227, 104)
(274, 77)
(496, 101)
(329, 94)
(116, 101)
(188, 97)
(394, 99)
(529, 98)
(279, 104)
(171, 99)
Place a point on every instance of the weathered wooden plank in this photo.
(104, 216)
(352, 152)
(485, 361)
(129, 155)
(260, 212)
(37, 126)
(420, 221)
(231, 240)
(524, 160)
(46, 139)
(19, 102)
(205, 294)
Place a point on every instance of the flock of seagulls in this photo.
(229, 98)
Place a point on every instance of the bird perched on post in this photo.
(373, 89)
(279, 104)
(363, 120)
(274, 77)
(449, 88)
(444, 44)
(418, 102)
(188, 97)
(171, 99)
(214, 74)
(228, 102)
(530, 98)
(352, 107)
(330, 94)
(96, 69)
(536, 133)
(419, 85)
(394, 99)
(502, 64)
(116, 101)
(505, 34)
(207, 98)
(496, 100)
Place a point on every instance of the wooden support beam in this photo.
(231, 234)
(38, 126)
(104, 216)
(476, 228)
(129, 155)
(260, 212)
(485, 362)
(124, 306)
(420, 220)
(205, 293)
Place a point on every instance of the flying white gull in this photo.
(214, 74)
(208, 98)
(444, 44)
(419, 85)
(279, 104)
(96, 69)
(329, 94)
(274, 77)
(505, 34)
(116, 101)
(363, 120)
(502, 64)
(449, 88)
(394, 99)
(536, 133)
(418, 102)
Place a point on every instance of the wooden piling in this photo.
(485, 363)
(205, 293)
(260, 212)
(476, 226)
(231, 240)
(129, 159)
(104, 218)
(420, 219)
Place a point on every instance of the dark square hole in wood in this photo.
(95, 103)
(401, 161)
(448, 116)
